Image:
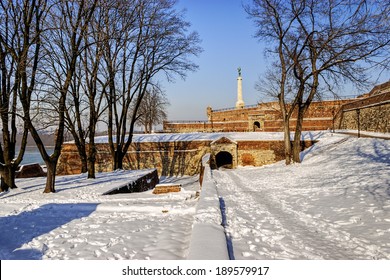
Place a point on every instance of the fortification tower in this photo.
(240, 103)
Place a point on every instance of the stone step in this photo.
(166, 188)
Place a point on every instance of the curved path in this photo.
(307, 211)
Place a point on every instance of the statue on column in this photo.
(240, 102)
(209, 113)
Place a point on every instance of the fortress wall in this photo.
(371, 114)
(373, 119)
(259, 153)
(169, 158)
(233, 126)
(263, 117)
(233, 114)
(174, 127)
(175, 158)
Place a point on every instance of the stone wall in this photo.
(180, 157)
(262, 117)
(373, 119)
(255, 153)
(169, 158)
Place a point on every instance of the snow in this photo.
(200, 136)
(335, 205)
(78, 222)
(365, 133)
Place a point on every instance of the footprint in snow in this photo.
(97, 253)
(252, 248)
(246, 254)
(94, 226)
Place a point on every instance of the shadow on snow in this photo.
(20, 229)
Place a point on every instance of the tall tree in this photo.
(323, 42)
(67, 23)
(94, 86)
(20, 44)
(151, 38)
(152, 110)
(84, 104)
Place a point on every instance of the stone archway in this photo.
(224, 159)
(224, 153)
(256, 125)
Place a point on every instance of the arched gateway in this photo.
(224, 159)
(224, 153)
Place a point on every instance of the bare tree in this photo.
(76, 113)
(94, 86)
(85, 104)
(67, 24)
(150, 37)
(152, 110)
(20, 33)
(319, 42)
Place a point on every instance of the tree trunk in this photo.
(8, 178)
(297, 137)
(118, 163)
(51, 176)
(91, 161)
(84, 164)
(287, 142)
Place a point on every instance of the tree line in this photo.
(68, 65)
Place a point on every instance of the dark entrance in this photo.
(256, 125)
(224, 159)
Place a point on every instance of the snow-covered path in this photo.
(335, 205)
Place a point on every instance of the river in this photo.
(32, 155)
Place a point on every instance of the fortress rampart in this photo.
(175, 155)
(264, 117)
(183, 157)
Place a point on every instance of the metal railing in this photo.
(234, 108)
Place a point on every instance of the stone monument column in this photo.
(209, 113)
(240, 103)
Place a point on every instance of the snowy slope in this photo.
(335, 205)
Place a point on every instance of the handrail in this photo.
(185, 121)
(234, 108)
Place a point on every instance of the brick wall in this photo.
(176, 158)
(169, 158)
(263, 117)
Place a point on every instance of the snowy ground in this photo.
(335, 205)
(78, 222)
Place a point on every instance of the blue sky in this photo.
(228, 43)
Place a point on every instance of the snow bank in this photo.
(208, 241)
